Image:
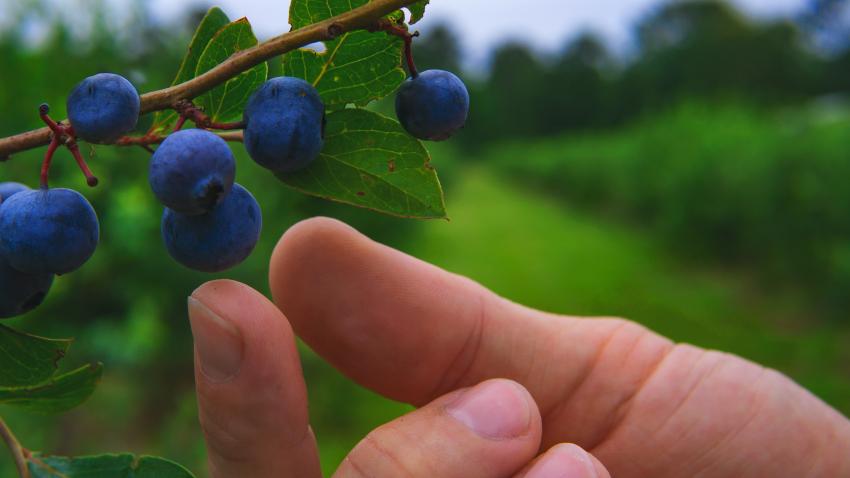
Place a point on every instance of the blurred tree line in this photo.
(683, 50)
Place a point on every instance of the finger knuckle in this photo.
(374, 456)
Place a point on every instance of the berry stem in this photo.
(62, 135)
(180, 122)
(48, 157)
(91, 179)
(149, 139)
(188, 111)
(404, 34)
(44, 113)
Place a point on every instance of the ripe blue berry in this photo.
(21, 292)
(47, 231)
(103, 108)
(432, 106)
(192, 171)
(217, 240)
(284, 123)
(8, 189)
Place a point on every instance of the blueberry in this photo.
(47, 231)
(103, 107)
(192, 171)
(217, 240)
(432, 106)
(8, 189)
(21, 292)
(284, 123)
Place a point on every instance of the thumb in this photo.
(565, 461)
(251, 394)
(486, 431)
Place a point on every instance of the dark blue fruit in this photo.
(47, 231)
(103, 107)
(8, 189)
(432, 106)
(21, 292)
(217, 240)
(284, 123)
(192, 171)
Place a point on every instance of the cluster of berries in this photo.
(210, 223)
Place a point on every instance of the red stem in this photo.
(187, 110)
(404, 34)
(408, 53)
(149, 139)
(43, 111)
(62, 134)
(222, 126)
(91, 180)
(48, 157)
(180, 122)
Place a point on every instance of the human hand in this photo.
(496, 383)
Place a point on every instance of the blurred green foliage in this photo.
(720, 183)
(748, 194)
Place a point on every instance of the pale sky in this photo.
(545, 24)
(485, 23)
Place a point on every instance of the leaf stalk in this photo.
(18, 452)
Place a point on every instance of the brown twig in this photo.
(188, 111)
(18, 452)
(360, 18)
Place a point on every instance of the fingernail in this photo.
(563, 461)
(496, 409)
(217, 341)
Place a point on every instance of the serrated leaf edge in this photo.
(441, 214)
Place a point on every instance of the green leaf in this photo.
(58, 394)
(355, 68)
(213, 21)
(225, 102)
(308, 12)
(26, 359)
(417, 11)
(122, 465)
(371, 162)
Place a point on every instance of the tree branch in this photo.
(16, 449)
(361, 18)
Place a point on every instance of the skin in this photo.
(549, 387)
